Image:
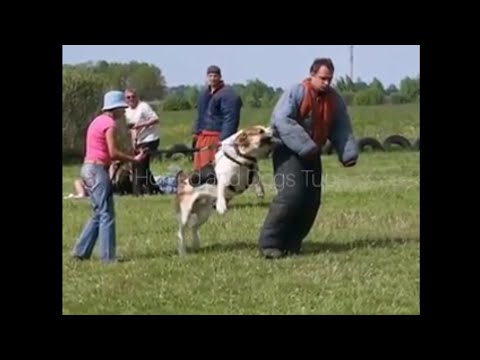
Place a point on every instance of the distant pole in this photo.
(351, 62)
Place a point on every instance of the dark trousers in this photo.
(143, 180)
(294, 209)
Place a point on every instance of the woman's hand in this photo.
(141, 155)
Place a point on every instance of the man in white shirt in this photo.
(143, 124)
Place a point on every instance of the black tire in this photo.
(399, 140)
(177, 148)
(178, 156)
(416, 144)
(370, 142)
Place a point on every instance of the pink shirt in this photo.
(96, 143)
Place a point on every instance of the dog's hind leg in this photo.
(195, 237)
(184, 217)
(187, 218)
(181, 248)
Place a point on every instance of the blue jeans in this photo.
(102, 222)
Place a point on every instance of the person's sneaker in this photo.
(272, 253)
(78, 258)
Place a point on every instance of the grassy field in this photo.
(361, 257)
(375, 121)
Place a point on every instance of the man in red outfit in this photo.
(218, 117)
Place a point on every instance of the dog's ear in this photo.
(180, 177)
(260, 130)
(242, 139)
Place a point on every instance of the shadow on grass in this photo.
(235, 246)
(213, 248)
(336, 247)
(308, 248)
(317, 247)
(249, 205)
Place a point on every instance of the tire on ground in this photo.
(177, 149)
(399, 140)
(369, 142)
(416, 144)
(178, 156)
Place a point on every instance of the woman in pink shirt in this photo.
(101, 151)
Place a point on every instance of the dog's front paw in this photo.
(221, 206)
(196, 244)
(182, 250)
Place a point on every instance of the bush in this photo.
(348, 97)
(175, 102)
(82, 100)
(369, 96)
(397, 98)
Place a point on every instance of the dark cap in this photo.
(214, 69)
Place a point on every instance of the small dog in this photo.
(235, 169)
(122, 178)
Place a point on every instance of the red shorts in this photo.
(205, 157)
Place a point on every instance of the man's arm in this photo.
(149, 114)
(292, 134)
(342, 137)
(146, 124)
(230, 104)
(113, 150)
(196, 122)
(201, 103)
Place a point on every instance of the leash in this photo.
(183, 151)
(167, 151)
(187, 151)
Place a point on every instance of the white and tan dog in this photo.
(236, 166)
(235, 169)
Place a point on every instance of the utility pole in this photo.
(351, 62)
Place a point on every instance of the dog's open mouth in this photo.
(270, 140)
(266, 140)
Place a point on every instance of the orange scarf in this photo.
(321, 107)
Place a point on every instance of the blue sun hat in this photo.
(113, 100)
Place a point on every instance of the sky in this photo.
(276, 65)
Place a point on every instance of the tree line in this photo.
(257, 94)
(85, 83)
(149, 80)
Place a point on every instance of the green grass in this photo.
(361, 257)
(376, 121)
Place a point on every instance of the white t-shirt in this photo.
(143, 113)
